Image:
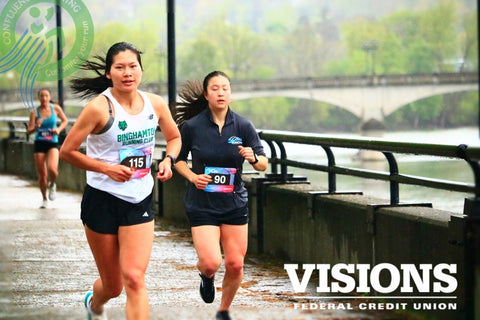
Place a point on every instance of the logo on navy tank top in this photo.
(235, 140)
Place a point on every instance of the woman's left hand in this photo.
(247, 153)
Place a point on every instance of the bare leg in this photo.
(52, 165)
(206, 240)
(234, 242)
(105, 250)
(40, 164)
(135, 249)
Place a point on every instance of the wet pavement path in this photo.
(46, 268)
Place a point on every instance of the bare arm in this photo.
(171, 134)
(249, 155)
(59, 112)
(199, 180)
(91, 119)
(33, 124)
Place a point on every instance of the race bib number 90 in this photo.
(140, 160)
(222, 179)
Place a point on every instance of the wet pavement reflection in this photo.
(46, 268)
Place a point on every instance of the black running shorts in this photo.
(238, 217)
(105, 213)
(41, 146)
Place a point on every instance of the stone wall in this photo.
(298, 223)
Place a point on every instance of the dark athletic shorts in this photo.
(105, 213)
(238, 217)
(40, 146)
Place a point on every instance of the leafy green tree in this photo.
(466, 114)
(197, 58)
(305, 51)
(143, 37)
(355, 64)
(366, 38)
(469, 42)
(265, 113)
(438, 29)
(419, 58)
(233, 47)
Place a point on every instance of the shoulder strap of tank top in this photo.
(109, 123)
(110, 111)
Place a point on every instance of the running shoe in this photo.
(90, 314)
(207, 288)
(52, 191)
(44, 204)
(223, 315)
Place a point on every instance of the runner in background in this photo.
(216, 199)
(43, 121)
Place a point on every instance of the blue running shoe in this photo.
(90, 314)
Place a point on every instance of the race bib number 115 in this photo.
(139, 160)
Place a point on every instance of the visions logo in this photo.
(28, 41)
(424, 278)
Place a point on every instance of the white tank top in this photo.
(130, 141)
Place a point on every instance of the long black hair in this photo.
(192, 98)
(88, 87)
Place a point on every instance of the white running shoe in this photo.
(44, 204)
(52, 191)
(90, 314)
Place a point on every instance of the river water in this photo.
(425, 166)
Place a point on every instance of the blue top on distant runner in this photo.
(44, 133)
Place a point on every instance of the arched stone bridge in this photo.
(367, 97)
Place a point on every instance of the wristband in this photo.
(172, 159)
(256, 159)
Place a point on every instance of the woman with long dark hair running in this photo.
(119, 125)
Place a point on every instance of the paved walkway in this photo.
(46, 268)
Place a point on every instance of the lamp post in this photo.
(58, 10)
(172, 81)
(370, 47)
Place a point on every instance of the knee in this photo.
(209, 266)
(53, 171)
(134, 279)
(234, 266)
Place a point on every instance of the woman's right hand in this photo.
(201, 181)
(119, 172)
(38, 123)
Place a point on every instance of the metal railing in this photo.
(17, 126)
(276, 140)
(280, 162)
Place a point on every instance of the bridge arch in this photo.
(364, 102)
